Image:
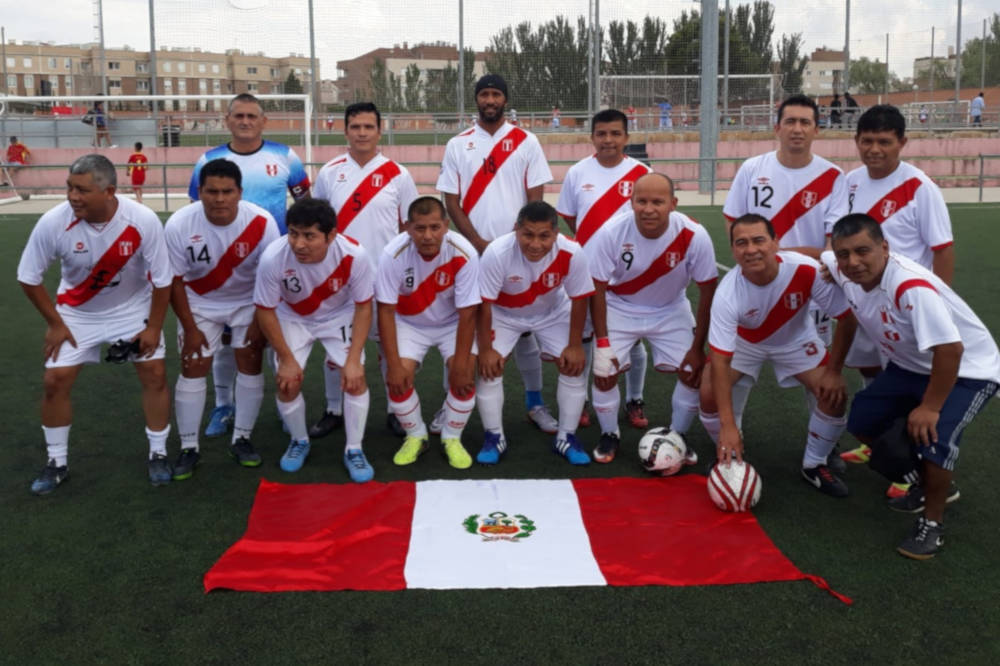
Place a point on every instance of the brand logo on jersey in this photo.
(625, 188)
(125, 248)
(887, 208)
(551, 280)
(794, 300)
(79, 248)
(673, 258)
(514, 278)
(289, 272)
(763, 180)
(853, 188)
(587, 187)
(752, 312)
(335, 284)
(242, 249)
(471, 146)
(809, 198)
(442, 278)
(272, 169)
(197, 238)
(507, 145)
(627, 247)
(377, 180)
(341, 177)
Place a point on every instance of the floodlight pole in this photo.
(152, 65)
(708, 124)
(847, 47)
(958, 60)
(104, 64)
(313, 82)
(725, 69)
(460, 84)
(982, 64)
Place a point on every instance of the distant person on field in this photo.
(137, 170)
(923, 114)
(835, 106)
(666, 122)
(101, 126)
(633, 119)
(17, 153)
(976, 107)
(851, 106)
(555, 117)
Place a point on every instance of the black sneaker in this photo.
(607, 447)
(824, 480)
(242, 452)
(326, 424)
(186, 462)
(159, 470)
(913, 500)
(836, 464)
(52, 475)
(924, 541)
(392, 423)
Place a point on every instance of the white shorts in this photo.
(863, 352)
(788, 362)
(212, 322)
(823, 323)
(551, 331)
(670, 335)
(92, 331)
(334, 334)
(413, 342)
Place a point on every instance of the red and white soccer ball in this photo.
(662, 451)
(734, 487)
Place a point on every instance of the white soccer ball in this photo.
(734, 487)
(662, 450)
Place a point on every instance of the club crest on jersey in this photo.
(673, 258)
(442, 278)
(809, 198)
(377, 179)
(242, 249)
(551, 280)
(335, 284)
(887, 208)
(272, 169)
(794, 300)
(125, 248)
(752, 312)
(507, 145)
(625, 188)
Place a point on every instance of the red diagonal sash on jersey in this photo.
(241, 248)
(792, 299)
(504, 148)
(609, 202)
(663, 264)
(366, 190)
(805, 199)
(329, 287)
(106, 268)
(895, 200)
(423, 296)
(551, 278)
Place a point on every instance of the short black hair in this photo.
(362, 107)
(537, 211)
(855, 223)
(751, 218)
(138, 145)
(426, 205)
(221, 168)
(309, 212)
(882, 118)
(13, 139)
(609, 116)
(800, 100)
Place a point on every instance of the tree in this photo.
(972, 57)
(293, 87)
(942, 79)
(791, 63)
(414, 93)
(871, 76)
(629, 50)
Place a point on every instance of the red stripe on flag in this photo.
(606, 206)
(249, 240)
(785, 308)
(803, 201)
(321, 537)
(906, 285)
(107, 267)
(895, 200)
(558, 267)
(504, 148)
(330, 286)
(673, 256)
(423, 296)
(366, 190)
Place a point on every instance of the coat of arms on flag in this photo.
(794, 300)
(809, 198)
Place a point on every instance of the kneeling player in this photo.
(943, 366)
(317, 285)
(761, 314)
(533, 280)
(115, 288)
(428, 295)
(215, 245)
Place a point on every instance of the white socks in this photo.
(456, 415)
(189, 405)
(249, 395)
(293, 413)
(489, 400)
(606, 404)
(407, 410)
(529, 362)
(571, 392)
(223, 375)
(355, 416)
(635, 376)
(824, 431)
(57, 444)
(683, 407)
(331, 380)
(157, 441)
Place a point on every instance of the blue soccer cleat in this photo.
(295, 455)
(494, 446)
(220, 420)
(357, 466)
(571, 450)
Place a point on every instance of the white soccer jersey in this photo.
(524, 289)
(908, 205)
(774, 316)
(594, 194)
(491, 173)
(646, 276)
(218, 264)
(371, 201)
(108, 269)
(802, 204)
(313, 293)
(913, 310)
(428, 293)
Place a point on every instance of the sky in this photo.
(348, 28)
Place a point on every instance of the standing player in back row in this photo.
(370, 195)
(270, 171)
(597, 189)
(489, 172)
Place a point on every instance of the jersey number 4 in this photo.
(766, 191)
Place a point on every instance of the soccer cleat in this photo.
(924, 541)
(243, 452)
(326, 424)
(543, 419)
(160, 471)
(691, 456)
(912, 501)
(836, 464)
(357, 466)
(585, 416)
(571, 450)
(411, 449)
(636, 414)
(860, 455)
(897, 490)
(437, 423)
(52, 475)
(186, 462)
(392, 423)
(295, 455)
(220, 420)
(494, 446)
(825, 481)
(607, 447)
(457, 456)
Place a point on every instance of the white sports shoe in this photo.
(543, 419)
(437, 423)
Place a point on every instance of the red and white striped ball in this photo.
(734, 487)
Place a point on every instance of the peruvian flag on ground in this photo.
(497, 534)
